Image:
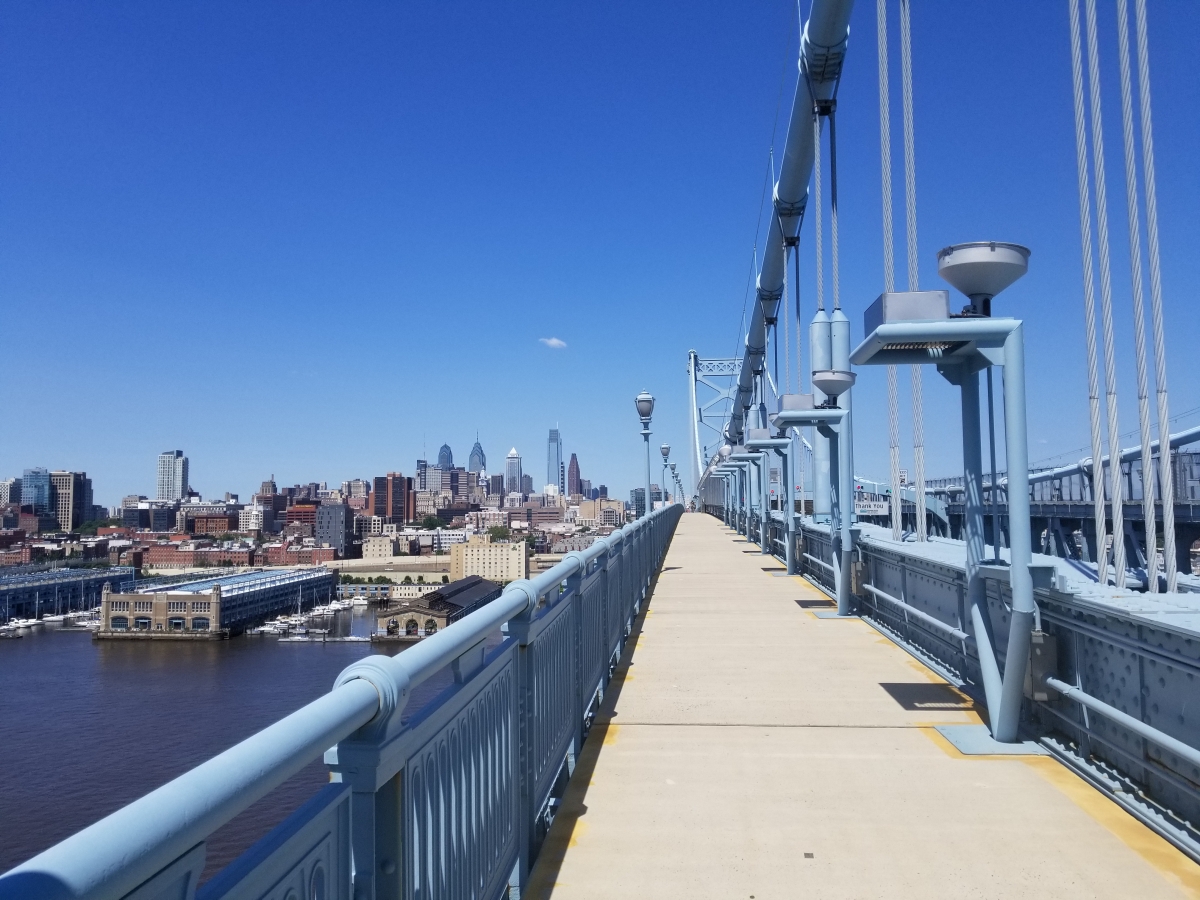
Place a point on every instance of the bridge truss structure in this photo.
(712, 384)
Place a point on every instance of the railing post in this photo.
(518, 628)
(575, 590)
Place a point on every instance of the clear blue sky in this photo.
(311, 239)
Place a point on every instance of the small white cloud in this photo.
(553, 343)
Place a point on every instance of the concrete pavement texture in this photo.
(749, 749)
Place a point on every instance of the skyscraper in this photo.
(72, 499)
(554, 460)
(445, 457)
(172, 475)
(573, 481)
(477, 461)
(35, 491)
(512, 472)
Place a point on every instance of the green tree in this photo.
(407, 579)
(445, 579)
(499, 533)
(431, 523)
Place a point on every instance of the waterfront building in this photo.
(212, 607)
(35, 594)
(512, 473)
(423, 616)
(445, 457)
(36, 490)
(502, 562)
(173, 475)
(554, 460)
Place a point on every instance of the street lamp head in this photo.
(725, 451)
(672, 468)
(665, 449)
(645, 406)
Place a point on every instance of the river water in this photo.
(87, 726)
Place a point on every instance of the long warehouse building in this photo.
(31, 595)
(213, 607)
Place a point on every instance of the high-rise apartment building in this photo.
(477, 461)
(573, 481)
(71, 494)
(526, 484)
(637, 500)
(333, 527)
(554, 460)
(173, 475)
(393, 498)
(421, 479)
(445, 457)
(512, 472)
(496, 485)
(36, 491)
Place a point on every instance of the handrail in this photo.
(115, 855)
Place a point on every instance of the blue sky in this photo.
(309, 240)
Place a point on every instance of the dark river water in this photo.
(87, 726)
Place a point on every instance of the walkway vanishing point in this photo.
(749, 748)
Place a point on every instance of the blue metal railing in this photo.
(449, 799)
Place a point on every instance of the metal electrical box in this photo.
(1043, 661)
(906, 306)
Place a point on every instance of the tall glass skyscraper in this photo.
(477, 462)
(445, 458)
(512, 472)
(35, 491)
(554, 461)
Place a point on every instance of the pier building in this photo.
(212, 607)
(31, 595)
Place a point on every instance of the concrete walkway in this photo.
(749, 749)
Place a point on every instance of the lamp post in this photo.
(678, 483)
(665, 450)
(645, 409)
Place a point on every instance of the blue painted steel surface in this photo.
(448, 800)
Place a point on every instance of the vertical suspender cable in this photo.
(1089, 295)
(1139, 315)
(889, 263)
(910, 219)
(1116, 475)
(1165, 474)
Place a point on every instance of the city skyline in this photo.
(215, 205)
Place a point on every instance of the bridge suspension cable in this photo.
(1166, 476)
(1089, 296)
(1150, 519)
(910, 219)
(889, 262)
(1115, 475)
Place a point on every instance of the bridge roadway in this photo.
(750, 748)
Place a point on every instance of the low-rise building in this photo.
(379, 546)
(495, 561)
(414, 619)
